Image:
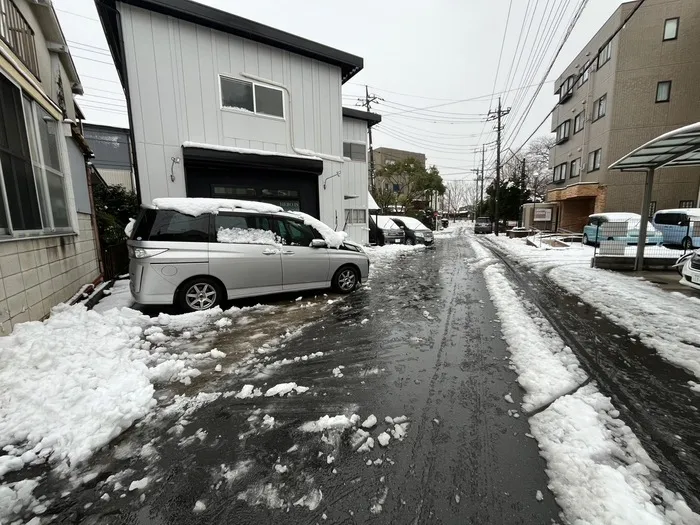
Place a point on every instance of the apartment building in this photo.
(47, 241)
(385, 156)
(111, 147)
(644, 82)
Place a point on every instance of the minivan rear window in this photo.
(169, 225)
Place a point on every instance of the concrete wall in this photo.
(356, 178)
(173, 70)
(37, 274)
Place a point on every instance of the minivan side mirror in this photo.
(318, 243)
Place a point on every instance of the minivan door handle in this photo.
(288, 252)
(270, 252)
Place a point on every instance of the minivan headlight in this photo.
(420, 234)
(143, 253)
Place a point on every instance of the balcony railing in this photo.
(16, 32)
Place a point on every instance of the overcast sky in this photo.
(417, 54)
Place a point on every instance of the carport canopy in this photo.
(677, 148)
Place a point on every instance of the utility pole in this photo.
(481, 195)
(498, 116)
(367, 103)
(477, 203)
(523, 181)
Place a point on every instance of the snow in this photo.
(129, 228)
(546, 367)
(339, 422)
(248, 391)
(508, 398)
(369, 422)
(646, 311)
(337, 372)
(539, 496)
(385, 222)
(312, 500)
(333, 238)
(119, 297)
(217, 354)
(247, 236)
(411, 223)
(285, 388)
(597, 468)
(139, 484)
(199, 506)
(260, 494)
(249, 151)
(383, 439)
(281, 469)
(196, 206)
(16, 496)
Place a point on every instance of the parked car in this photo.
(483, 225)
(197, 260)
(416, 232)
(594, 232)
(677, 226)
(382, 230)
(690, 271)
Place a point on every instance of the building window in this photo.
(578, 122)
(652, 209)
(599, 107)
(356, 216)
(605, 55)
(566, 89)
(560, 172)
(687, 204)
(575, 168)
(16, 32)
(250, 96)
(355, 151)
(594, 158)
(663, 91)
(563, 131)
(585, 74)
(396, 188)
(30, 165)
(671, 29)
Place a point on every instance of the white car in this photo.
(690, 273)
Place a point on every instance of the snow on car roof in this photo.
(196, 206)
(333, 238)
(412, 223)
(618, 215)
(385, 223)
(695, 212)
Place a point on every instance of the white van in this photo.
(678, 226)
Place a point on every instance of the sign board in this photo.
(543, 214)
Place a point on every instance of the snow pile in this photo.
(69, 385)
(340, 422)
(196, 206)
(369, 422)
(643, 309)
(247, 236)
(382, 256)
(248, 391)
(333, 238)
(546, 367)
(597, 467)
(16, 496)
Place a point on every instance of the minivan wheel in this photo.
(345, 280)
(687, 243)
(201, 293)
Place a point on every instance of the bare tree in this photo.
(537, 160)
(457, 195)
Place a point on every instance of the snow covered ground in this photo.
(665, 322)
(118, 296)
(598, 469)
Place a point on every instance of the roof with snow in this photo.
(203, 15)
(680, 147)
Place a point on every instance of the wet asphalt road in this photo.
(431, 350)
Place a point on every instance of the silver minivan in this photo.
(195, 260)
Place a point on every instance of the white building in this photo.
(47, 242)
(221, 106)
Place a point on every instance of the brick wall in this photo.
(37, 274)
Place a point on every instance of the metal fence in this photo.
(620, 239)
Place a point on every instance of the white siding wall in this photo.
(356, 178)
(173, 68)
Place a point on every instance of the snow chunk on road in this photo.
(337, 372)
(259, 494)
(248, 391)
(139, 484)
(199, 506)
(367, 445)
(546, 366)
(339, 422)
(539, 496)
(508, 398)
(217, 354)
(223, 322)
(383, 439)
(312, 500)
(597, 467)
(285, 388)
(14, 497)
(369, 422)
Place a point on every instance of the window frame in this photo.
(253, 84)
(652, 209)
(668, 96)
(352, 213)
(596, 154)
(566, 89)
(581, 117)
(690, 204)
(560, 172)
(677, 20)
(571, 168)
(585, 74)
(596, 108)
(565, 133)
(606, 54)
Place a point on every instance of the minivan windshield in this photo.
(483, 220)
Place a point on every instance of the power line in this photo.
(92, 59)
(509, 79)
(76, 14)
(102, 79)
(75, 42)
